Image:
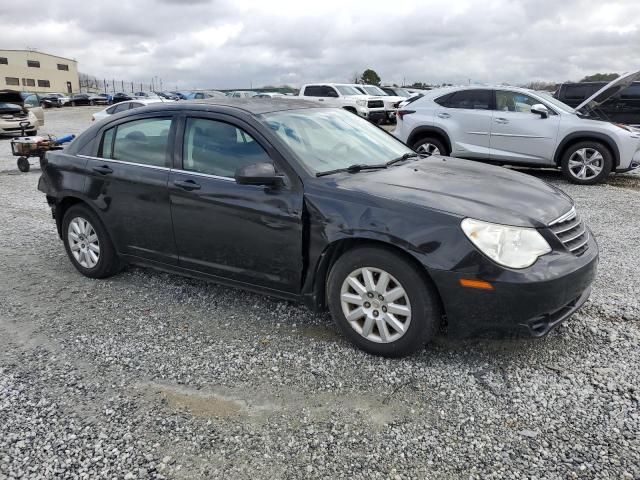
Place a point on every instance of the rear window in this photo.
(141, 141)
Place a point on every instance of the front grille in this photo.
(572, 232)
(375, 104)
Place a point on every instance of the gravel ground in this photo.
(150, 375)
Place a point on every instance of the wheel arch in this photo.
(426, 131)
(334, 250)
(63, 205)
(577, 137)
(351, 109)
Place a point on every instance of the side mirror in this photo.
(540, 109)
(262, 173)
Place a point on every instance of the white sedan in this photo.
(122, 106)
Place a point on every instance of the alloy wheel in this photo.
(375, 304)
(586, 163)
(428, 148)
(83, 242)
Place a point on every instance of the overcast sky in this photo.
(227, 44)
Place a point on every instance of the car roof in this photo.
(248, 105)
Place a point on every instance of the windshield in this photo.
(371, 90)
(346, 90)
(554, 101)
(328, 139)
(400, 92)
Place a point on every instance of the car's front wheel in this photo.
(586, 163)
(430, 146)
(382, 302)
(87, 243)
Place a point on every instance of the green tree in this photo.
(600, 77)
(370, 77)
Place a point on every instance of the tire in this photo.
(107, 262)
(44, 105)
(586, 163)
(73, 104)
(419, 299)
(92, 103)
(23, 164)
(431, 146)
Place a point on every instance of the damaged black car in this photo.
(317, 205)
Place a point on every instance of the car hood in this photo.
(10, 108)
(465, 188)
(11, 96)
(608, 91)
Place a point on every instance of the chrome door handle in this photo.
(501, 120)
(444, 115)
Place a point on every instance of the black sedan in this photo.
(317, 205)
(88, 99)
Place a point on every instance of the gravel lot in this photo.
(150, 375)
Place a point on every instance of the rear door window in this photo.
(470, 100)
(313, 91)
(142, 141)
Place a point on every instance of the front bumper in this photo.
(530, 302)
(374, 116)
(635, 163)
(7, 127)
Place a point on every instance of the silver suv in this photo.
(510, 125)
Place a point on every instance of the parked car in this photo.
(51, 100)
(145, 95)
(120, 97)
(180, 95)
(516, 126)
(203, 95)
(80, 99)
(347, 97)
(397, 92)
(169, 95)
(17, 107)
(241, 94)
(391, 102)
(123, 106)
(268, 95)
(621, 107)
(317, 205)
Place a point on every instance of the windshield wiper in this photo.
(402, 158)
(351, 169)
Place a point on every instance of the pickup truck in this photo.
(347, 97)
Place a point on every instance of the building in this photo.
(31, 71)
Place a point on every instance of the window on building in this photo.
(28, 82)
(12, 80)
(4, 61)
(44, 83)
(33, 63)
(62, 66)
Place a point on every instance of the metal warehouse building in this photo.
(32, 71)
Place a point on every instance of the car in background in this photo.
(268, 95)
(241, 94)
(347, 97)
(120, 97)
(622, 107)
(397, 92)
(17, 107)
(204, 94)
(517, 126)
(180, 95)
(82, 99)
(124, 106)
(145, 95)
(316, 205)
(391, 102)
(168, 95)
(54, 100)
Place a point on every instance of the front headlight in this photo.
(513, 247)
(361, 103)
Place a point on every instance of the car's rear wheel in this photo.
(430, 146)
(382, 302)
(586, 163)
(87, 243)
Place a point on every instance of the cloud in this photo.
(225, 44)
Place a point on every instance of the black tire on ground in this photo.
(423, 299)
(589, 148)
(425, 144)
(92, 103)
(108, 263)
(23, 164)
(44, 105)
(73, 104)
